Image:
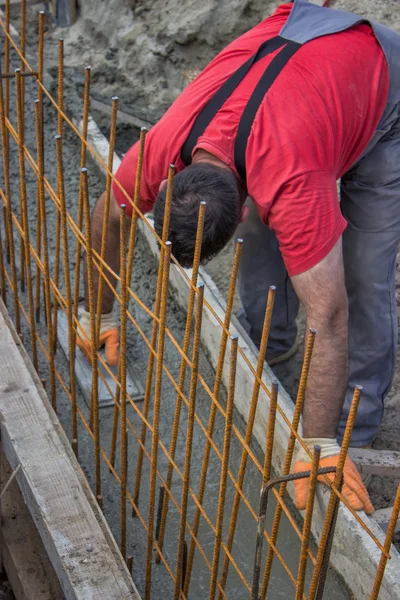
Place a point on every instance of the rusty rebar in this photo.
(249, 431)
(165, 257)
(46, 266)
(85, 120)
(301, 573)
(38, 216)
(60, 104)
(132, 239)
(3, 289)
(122, 374)
(269, 442)
(388, 542)
(189, 438)
(224, 466)
(182, 371)
(289, 456)
(8, 208)
(213, 409)
(94, 404)
(136, 197)
(106, 214)
(327, 526)
(24, 216)
(23, 74)
(68, 295)
(150, 364)
(22, 260)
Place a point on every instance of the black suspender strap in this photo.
(250, 111)
(209, 111)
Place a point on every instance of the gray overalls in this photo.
(370, 202)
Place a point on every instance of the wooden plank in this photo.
(28, 568)
(382, 516)
(77, 547)
(385, 463)
(121, 115)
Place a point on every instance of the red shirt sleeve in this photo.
(307, 220)
(126, 176)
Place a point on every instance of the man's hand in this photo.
(108, 337)
(353, 488)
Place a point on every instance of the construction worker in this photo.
(309, 96)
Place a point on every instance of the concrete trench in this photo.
(143, 283)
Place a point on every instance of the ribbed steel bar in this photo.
(106, 213)
(38, 278)
(213, 409)
(182, 371)
(21, 127)
(301, 573)
(60, 103)
(189, 439)
(224, 467)
(85, 120)
(289, 456)
(8, 208)
(68, 295)
(150, 364)
(3, 288)
(46, 266)
(388, 542)
(24, 214)
(249, 431)
(95, 396)
(165, 257)
(269, 442)
(122, 375)
(333, 497)
(132, 239)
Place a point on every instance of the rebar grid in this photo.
(67, 301)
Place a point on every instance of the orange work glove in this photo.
(353, 488)
(108, 337)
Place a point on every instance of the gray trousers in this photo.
(370, 201)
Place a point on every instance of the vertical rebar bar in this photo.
(301, 573)
(38, 216)
(249, 431)
(289, 456)
(122, 360)
(136, 196)
(182, 371)
(388, 542)
(132, 238)
(68, 296)
(224, 466)
(46, 267)
(213, 409)
(21, 210)
(95, 395)
(106, 213)
(150, 364)
(189, 438)
(8, 207)
(60, 105)
(332, 500)
(165, 257)
(24, 213)
(85, 120)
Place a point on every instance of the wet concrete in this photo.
(143, 283)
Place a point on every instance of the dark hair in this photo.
(200, 182)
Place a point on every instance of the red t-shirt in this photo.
(312, 126)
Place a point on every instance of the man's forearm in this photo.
(327, 380)
(112, 256)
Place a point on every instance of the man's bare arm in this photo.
(322, 292)
(112, 255)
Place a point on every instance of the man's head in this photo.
(218, 187)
